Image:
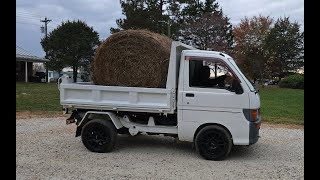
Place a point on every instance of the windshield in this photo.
(243, 76)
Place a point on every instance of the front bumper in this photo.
(254, 128)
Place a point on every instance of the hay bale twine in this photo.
(132, 58)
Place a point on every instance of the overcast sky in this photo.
(102, 14)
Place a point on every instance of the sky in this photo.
(102, 15)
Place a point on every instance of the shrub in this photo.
(294, 81)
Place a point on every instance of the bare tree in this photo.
(38, 67)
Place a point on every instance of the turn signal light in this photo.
(254, 114)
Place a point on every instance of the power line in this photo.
(29, 16)
(33, 18)
(24, 17)
(27, 23)
(54, 25)
(28, 13)
(39, 17)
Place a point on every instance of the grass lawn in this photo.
(278, 105)
(37, 97)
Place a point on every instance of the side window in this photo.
(209, 74)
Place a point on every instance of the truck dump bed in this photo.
(85, 96)
(118, 98)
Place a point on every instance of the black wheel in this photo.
(99, 135)
(213, 143)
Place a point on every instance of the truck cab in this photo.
(213, 90)
(207, 101)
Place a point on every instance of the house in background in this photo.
(70, 74)
(24, 64)
(81, 77)
(53, 76)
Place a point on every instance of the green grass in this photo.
(281, 105)
(278, 105)
(37, 97)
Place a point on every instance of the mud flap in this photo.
(74, 117)
(71, 119)
(78, 131)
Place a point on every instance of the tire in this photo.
(213, 143)
(99, 136)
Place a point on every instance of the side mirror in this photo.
(237, 86)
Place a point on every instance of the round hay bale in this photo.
(132, 58)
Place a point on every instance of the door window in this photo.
(210, 74)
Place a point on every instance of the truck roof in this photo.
(204, 52)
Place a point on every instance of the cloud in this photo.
(237, 10)
(102, 15)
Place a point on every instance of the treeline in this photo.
(262, 46)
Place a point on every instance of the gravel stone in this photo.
(47, 149)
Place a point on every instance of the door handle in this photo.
(189, 95)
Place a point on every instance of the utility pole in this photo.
(168, 23)
(168, 27)
(46, 21)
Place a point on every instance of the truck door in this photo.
(208, 95)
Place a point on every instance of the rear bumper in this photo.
(254, 128)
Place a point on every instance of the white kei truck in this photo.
(207, 101)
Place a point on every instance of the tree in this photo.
(55, 64)
(205, 26)
(72, 43)
(250, 50)
(142, 14)
(174, 18)
(193, 22)
(38, 67)
(285, 47)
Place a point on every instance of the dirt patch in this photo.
(288, 126)
(47, 149)
(54, 114)
(39, 114)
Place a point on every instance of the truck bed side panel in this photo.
(116, 98)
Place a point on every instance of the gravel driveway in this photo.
(47, 149)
